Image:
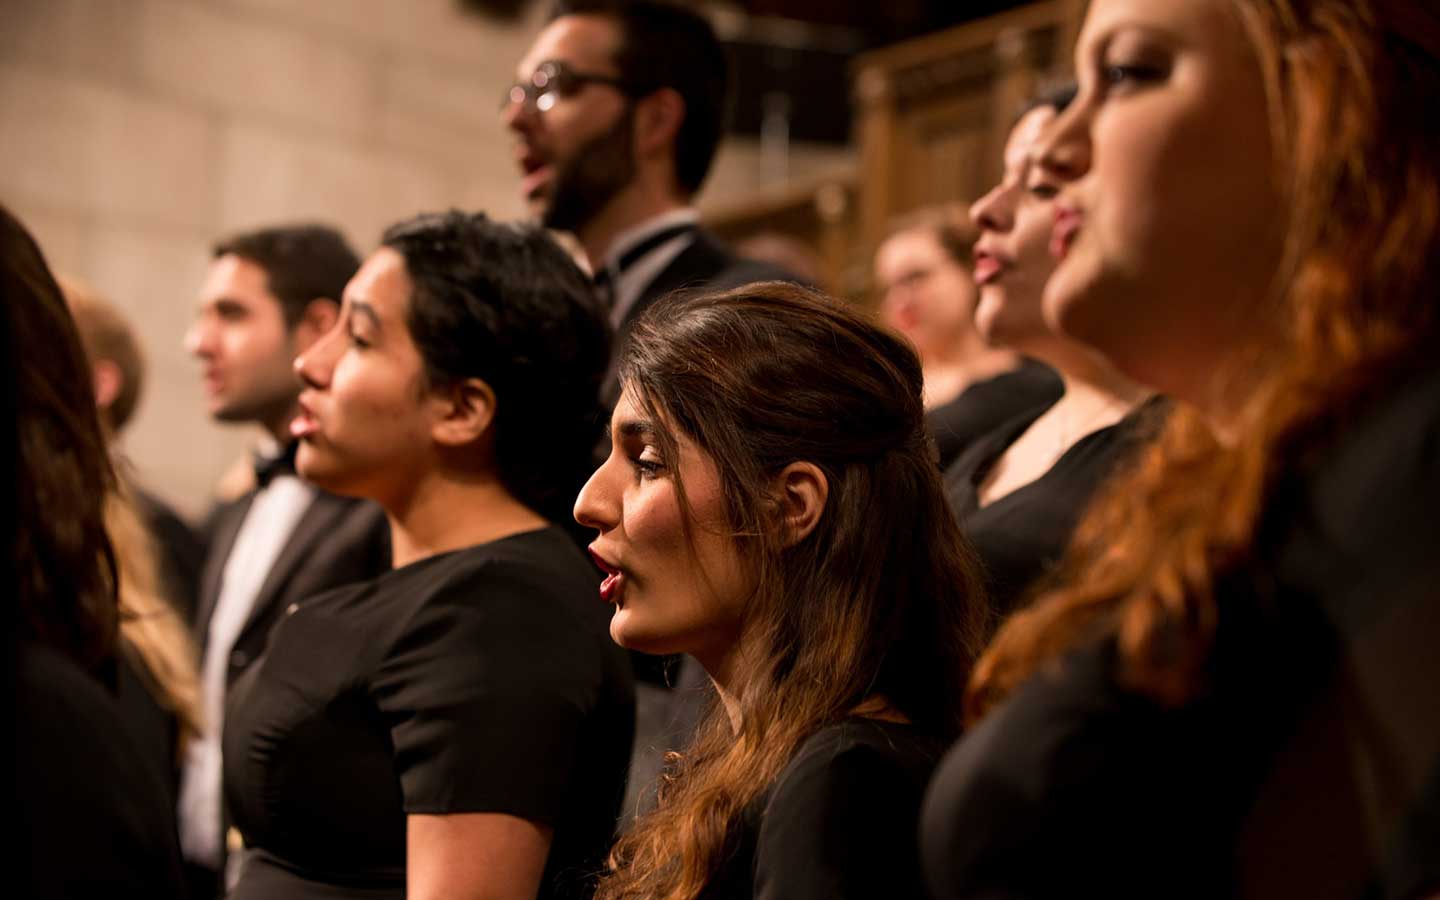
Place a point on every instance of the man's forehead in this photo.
(235, 278)
(585, 42)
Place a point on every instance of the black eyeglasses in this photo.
(553, 80)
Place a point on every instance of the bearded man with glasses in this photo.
(617, 111)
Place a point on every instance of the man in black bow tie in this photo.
(269, 295)
(617, 112)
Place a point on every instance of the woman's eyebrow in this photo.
(360, 307)
(636, 428)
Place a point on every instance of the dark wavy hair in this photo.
(880, 600)
(666, 45)
(66, 579)
(506, 304)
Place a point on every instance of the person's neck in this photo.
(1096, 396)
(961, 362)
(636, 204)
(442, 512)
(277, 426)
(721, 668)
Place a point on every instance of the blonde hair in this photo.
(150, 628)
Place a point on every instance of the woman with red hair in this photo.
(1234, 691)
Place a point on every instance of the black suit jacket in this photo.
(337, 541)
(706, 264)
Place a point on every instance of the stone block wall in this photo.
(136, 132)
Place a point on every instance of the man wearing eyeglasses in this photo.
(617, 113)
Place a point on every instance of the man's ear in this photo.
(318, 318)
(658, 118)
(467, 410)
(800, 492)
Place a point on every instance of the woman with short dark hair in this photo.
(462, 721)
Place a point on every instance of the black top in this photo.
(1309, 768)
(95, 820)
(986, 405)
(839, 822)
(155, 728)
(480, 680)
(180, 552)
(1022, 536)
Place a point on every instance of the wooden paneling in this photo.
(932, 118)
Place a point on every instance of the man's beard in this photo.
(591, 178)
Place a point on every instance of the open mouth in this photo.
(535, 172)
(304, 424)
(614, 578)
(987, 268)
(1062, 235)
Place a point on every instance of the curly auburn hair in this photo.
(1358, 162)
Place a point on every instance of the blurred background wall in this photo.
(133, 133)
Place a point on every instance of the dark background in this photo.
(790, 55)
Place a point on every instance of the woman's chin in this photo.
(632, 635)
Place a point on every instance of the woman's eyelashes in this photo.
(646, 466)
(1123, 74)
(356, 340)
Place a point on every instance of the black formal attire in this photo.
(1309, 767)
(94, 817)
(839, 822)
(154, 728)
(335, 541)
(179, 549)
(338, 541)
(705, 263)
(1020, 538)
(479, 680)
(986, 405)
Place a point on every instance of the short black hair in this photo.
(664, 45)
(302, 262)
(506, 304)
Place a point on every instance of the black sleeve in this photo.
(95, 817)
(1073, 788)
(486, 692)
(840, 824)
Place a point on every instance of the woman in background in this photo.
(461, 725)
(94, 816)
(1020, 488)
(1234, 691)
(924, 272)
(798, 546)
(158, 679)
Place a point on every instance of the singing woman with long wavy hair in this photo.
(771, 506)
(1234, 691)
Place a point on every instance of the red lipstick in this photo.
(614, 578)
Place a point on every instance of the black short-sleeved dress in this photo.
(480, 680)
(1310, 767)
(987, 404)
(1022, 536)
(839, 822)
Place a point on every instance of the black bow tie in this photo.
(283, 463)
